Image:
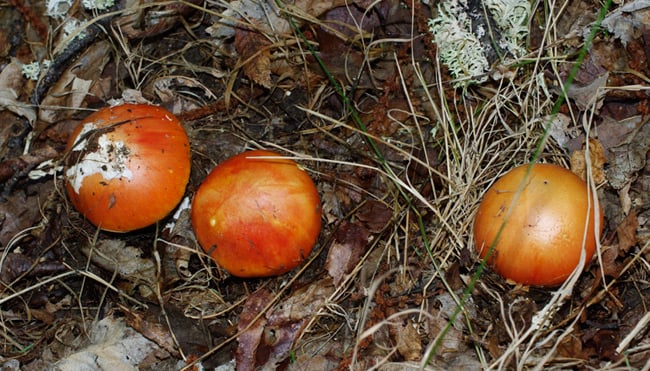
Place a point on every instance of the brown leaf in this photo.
(570, 346)
(276, 344)
(256, 56)
(250, 339)
(598, 160)
(453, 342)
(629, 157)
(306, 361)
(626, 232)
(375, 215)
(12, 85)
(604, 342)
(625, 198)
(116, 256)
(21, 209)
(154, 331)
(266, 17)
(302, 303)
(110, 344)
(574, 20)
(72, 88)
(409, 344)
(349, 244)
(43, 315)
(626, 20)
(144, 21)
(452, 274)
(613, 133)
(270, 341)
(591, 95)
(331, 205)
(610, 266)
(13, 265)
(317, 7)
(178, 231)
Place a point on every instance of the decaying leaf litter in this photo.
(401, 162)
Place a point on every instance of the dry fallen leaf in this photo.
(287, 319)
(15, 264)
(558, 128)
(169, 89)
(610, 267)
(115, 256)
(452, 343)
(628, 157)
(268, 342)
(142, 21)
(625, 198)
(266, 16)
(409, 344)
(571, 23)
(33, 164)
(597, 158)
(331, 205)
(612, 132)
(21, 210)
(626, 232)
(570, 346)
(253, 24)
(627, 21)
(302, 303)
(590, 96)
(250, 339)
(111, 346)
(375, 215)
(276, 344)
(349, 244)
(72, 89)
(11, 86)
(255, 55)
(154, 331)
(603, 342)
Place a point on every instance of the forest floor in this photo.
(402, 145)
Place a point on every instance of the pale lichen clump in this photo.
(73, 27)
(459, 49)
(33, 70)
(511, 16)
(59, 8)
(98, 4)
(460, 44)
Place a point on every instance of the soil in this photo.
(401, 153)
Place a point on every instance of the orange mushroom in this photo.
(550, 217)
(257, 216)
(128, 166)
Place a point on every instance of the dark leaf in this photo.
(251, 337)
(375, 215)
(349, 245)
